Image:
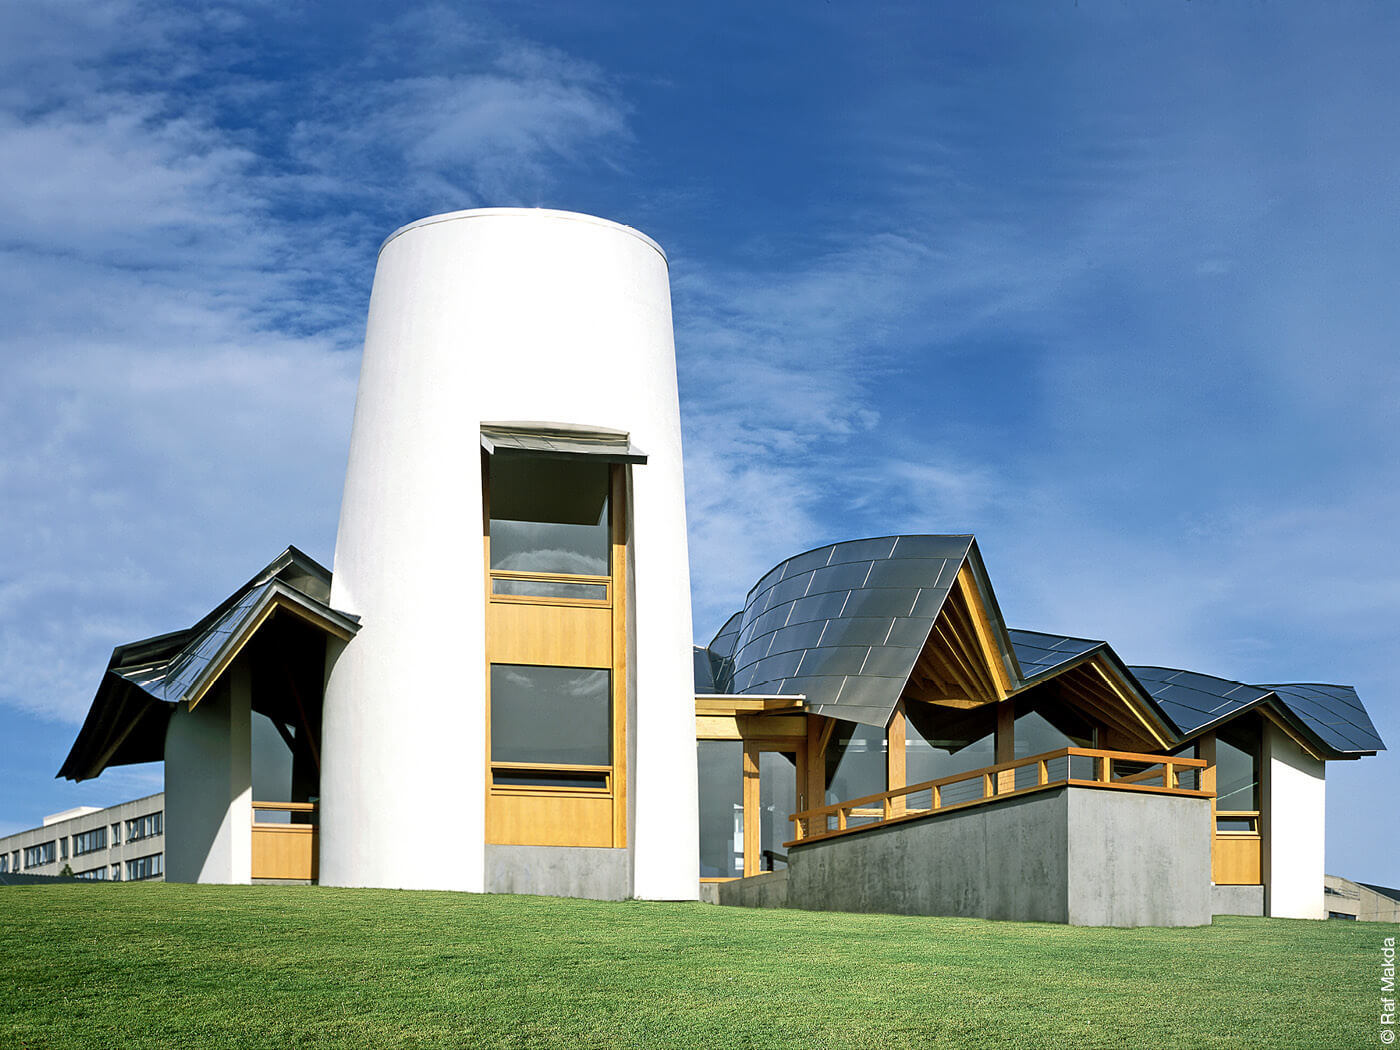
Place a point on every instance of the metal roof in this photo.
(843, 624)
(1040, 653)
(145, 680)
(1334, 713)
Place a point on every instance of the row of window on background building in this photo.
(143, 827)
(43, 853)
(88, 841)
(145, 867)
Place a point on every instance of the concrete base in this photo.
(560, 871)
(1237, 900)
(768, 890)
(709, 893)
(1083, 856)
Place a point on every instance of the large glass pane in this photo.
(944, 741)
(1237, 766)
(777, 800)
(283, 768)
(721, 764)
(1049, 724)
(549, 515)
(551, 715)
(855, 762)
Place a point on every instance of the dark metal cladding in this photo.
(1194, 700)
(842, 624)
(1333, 712)
(1039, 653)
(145, 680)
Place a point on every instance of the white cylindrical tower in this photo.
(552, 321)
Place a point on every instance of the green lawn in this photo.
(212, 966)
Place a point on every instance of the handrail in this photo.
(293, 807)
(893, 806)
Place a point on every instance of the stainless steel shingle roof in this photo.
(842, 624)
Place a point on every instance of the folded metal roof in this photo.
(145, 680)
(844, 624)
(1330, 716)
(1039, 653)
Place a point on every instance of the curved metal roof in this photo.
(1333, 712)
(843, 624)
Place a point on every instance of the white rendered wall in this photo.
(495, 315)
(1294, 792)
(209, 786)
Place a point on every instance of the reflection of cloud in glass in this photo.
(535, 547)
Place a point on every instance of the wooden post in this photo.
(895, 768)
(1005, 749)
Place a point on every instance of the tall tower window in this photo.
(556, 642)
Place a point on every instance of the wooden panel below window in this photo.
(552, 635)
(549, 819)
(286, 851)
(1236, 860)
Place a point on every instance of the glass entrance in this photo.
(777, 801)
(748, 791)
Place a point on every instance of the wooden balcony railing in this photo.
(1120, 770)
(286, 850)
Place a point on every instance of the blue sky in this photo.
(1111, 285)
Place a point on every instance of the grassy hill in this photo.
(151, 965)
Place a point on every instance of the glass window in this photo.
(551, 715)
(149, 825)
(1237, 768)
(144, 867)
(88, 841)
(855, 762)
(721, 764)
(35, 856)
(1049, 724)
(549, 515)
(284, 768)
(944, 741)
(777, 800)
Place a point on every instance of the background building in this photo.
(122, 843)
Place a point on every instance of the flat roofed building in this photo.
(121, 843)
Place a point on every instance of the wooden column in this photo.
(1005, 750)
(895, 768)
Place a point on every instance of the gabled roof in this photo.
(852, 626)
(1039, 654)
(845, 624)
(145, 680)
(1330, 717)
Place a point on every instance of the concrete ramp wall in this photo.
(1083, 856)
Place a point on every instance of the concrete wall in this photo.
(1138, 859)
(209, 785)
(61, 832)
(496, 315)
(1294, 791)
(559, 871)
(1237, 900)
(768, 890)
(1076, 855)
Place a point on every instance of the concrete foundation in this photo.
(559, 871)
(1237, 900)
(1083, 856)
(769, 890)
